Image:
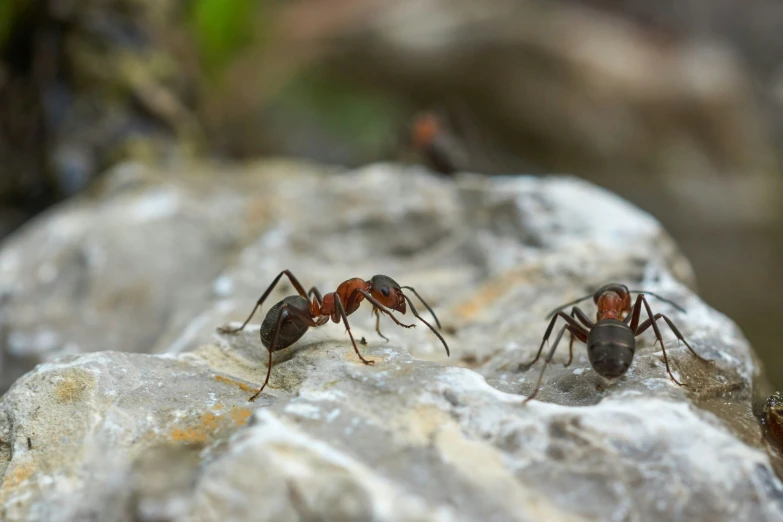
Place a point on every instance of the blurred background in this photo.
(677, 105)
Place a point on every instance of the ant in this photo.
(287, 321)
(429, 138)
(610, 341)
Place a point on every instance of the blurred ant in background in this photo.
(451, 139)
(430, 139)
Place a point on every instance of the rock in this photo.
(417, 436)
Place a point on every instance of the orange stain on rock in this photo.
(18, 475)
(189, 435)
(210, 421)
(240, 416)
(241, 386)
(210, 424)
(489, 293)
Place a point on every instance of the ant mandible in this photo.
(287, 321)
(611, 340)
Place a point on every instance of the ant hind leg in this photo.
(681, 338)
(294, 281)
(640, 300)
(572, 331)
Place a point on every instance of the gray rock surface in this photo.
(417, 436)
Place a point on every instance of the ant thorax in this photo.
(610, 306)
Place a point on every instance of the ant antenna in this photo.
(675, 305)
(561, 307)
(420, 318)
(424, 303)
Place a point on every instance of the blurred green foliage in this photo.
(366, 118)
(222, 28)
(8, 10)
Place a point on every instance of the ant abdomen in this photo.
(610, 348)
(290, 330)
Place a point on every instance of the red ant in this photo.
(610, 341)
(287, 321)
(429, 138)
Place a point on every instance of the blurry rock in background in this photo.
(676, 106)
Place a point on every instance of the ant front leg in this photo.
(378, 323)
(570, 320)
(417, 316)
(355, 295)
(574, 331)
(637, 308)
(424, 303)
(339, 305)
(294, 281)
(645, 325)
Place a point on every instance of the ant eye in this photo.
(385, 291)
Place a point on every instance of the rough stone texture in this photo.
(128, 436)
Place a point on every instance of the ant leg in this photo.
(339, 305)
(285, 312)
(424, 303)
(576, 311)
(570, 344)
(640, 300)
(294, 281)
(268, 373)
(380, 307)
(681, 338)
(551, 326)
(646, 324)
(416, 314)
(303, 316)
(378, 323)
(317, 294)
(579, 314)
(572, 331)
(316, 304)
(280, 318)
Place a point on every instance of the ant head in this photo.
(620, 290)
(387, 292)
(425, 127)
(613, 297)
